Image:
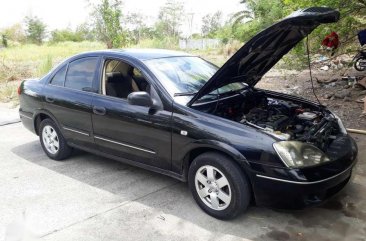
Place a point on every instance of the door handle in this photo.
(49, 99)
(99, 110)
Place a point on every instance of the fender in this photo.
(37, 112)
(215, 145)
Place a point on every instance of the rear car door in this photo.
(68, 97)
(132, 132)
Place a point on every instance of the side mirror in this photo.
(140, 98)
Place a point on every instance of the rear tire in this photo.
(52, 141)
(218, 185)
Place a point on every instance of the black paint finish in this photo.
(166, 139)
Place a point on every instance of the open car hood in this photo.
(265, 49)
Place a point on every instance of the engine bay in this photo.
(284, 119)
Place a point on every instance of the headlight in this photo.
(299, 154)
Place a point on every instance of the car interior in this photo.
(120, 79)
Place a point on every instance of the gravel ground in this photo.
(334, 95)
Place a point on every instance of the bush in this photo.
(167, 43)
(231, 47)
(4, 40)
(13, 44)
(65, 35)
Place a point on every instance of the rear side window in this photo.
(59, 77)
(81, 73)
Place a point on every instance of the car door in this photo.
(132, 132)
(68, 98)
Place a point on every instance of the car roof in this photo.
(141, 54)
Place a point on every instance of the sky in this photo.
(70, 13)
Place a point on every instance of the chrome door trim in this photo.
(75, 131)
(123, 144)
(305, 183)
(22, 115)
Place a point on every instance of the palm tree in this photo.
(243, 14)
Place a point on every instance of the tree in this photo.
(225, 33)
(107, 19)
(85, 32)
(265, 12)
(14, 33)
(82, 32)
(61, 35)
(4, 40)
(170, 18)
(211, 23)
(261, 13)
(353, 17)
(135, 22)
(238, 17)
(35, 29)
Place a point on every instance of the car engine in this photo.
(284, 119)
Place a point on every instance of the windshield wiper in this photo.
(185, 94)
(215, 94)
(235, 90)
(189, 94)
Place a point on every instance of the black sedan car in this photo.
(181, 116)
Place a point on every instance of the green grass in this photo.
(29, 60)
(45, 66)
(32, 61)
(8, 92)
(31, 52)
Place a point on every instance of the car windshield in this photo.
(183, 77)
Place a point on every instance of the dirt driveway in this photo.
(90, 198)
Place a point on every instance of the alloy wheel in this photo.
(213, 187)
(50, 139)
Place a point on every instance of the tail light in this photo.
(20, 87)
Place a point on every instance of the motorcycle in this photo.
(360, 58)
(360, 61)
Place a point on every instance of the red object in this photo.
(331, 40)
(19, 89)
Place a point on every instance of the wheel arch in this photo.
(199, 147)
(221, 148)
(41, 115)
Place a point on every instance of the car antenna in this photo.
(310, 73)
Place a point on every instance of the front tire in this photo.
(218, 185)
(52, 141)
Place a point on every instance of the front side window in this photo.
(81, 73)
(121, 79)
(59, 78)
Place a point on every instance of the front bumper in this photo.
(281, 193)
(299, 188)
